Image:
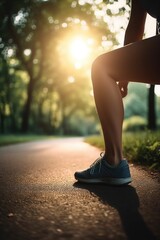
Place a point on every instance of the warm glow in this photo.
(27, 52)
(79, 49)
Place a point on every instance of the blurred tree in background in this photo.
(43, 88)
(46, 51)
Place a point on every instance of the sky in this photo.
(150, 27)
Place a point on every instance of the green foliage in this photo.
(39, 82)
(14, 139)
(134, 123)
(35, 65)
(136, 101)
(95, 140)
(141, 147)
(78, 125)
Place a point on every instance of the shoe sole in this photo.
(109, 181)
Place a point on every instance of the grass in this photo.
(14, 139)
(140, 147)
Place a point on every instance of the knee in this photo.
(97, 63)
(99, 66)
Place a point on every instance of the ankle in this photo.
(112, 160)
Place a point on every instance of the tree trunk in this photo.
(27, 107)
(2, 123)
(151, 109)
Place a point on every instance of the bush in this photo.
(135, 123)
(140, 147)
(96, 141)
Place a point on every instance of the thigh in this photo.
(136, 62)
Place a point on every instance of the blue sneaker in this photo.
(101, 172)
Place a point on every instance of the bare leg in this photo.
(137, 62)
(110, 109)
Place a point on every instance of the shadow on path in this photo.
(126, 201)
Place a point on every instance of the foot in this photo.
(101, 172)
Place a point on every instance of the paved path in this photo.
(39, 198)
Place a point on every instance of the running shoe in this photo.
(102, 172)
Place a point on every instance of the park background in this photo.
(46, 51)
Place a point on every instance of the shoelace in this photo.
(97, 162)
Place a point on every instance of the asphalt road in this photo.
(39, 198)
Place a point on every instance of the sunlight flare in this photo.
(79, 49)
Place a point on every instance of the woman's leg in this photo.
(137, 62)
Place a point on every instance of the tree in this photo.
(151, 109)
(152, 124)
(34, 30)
